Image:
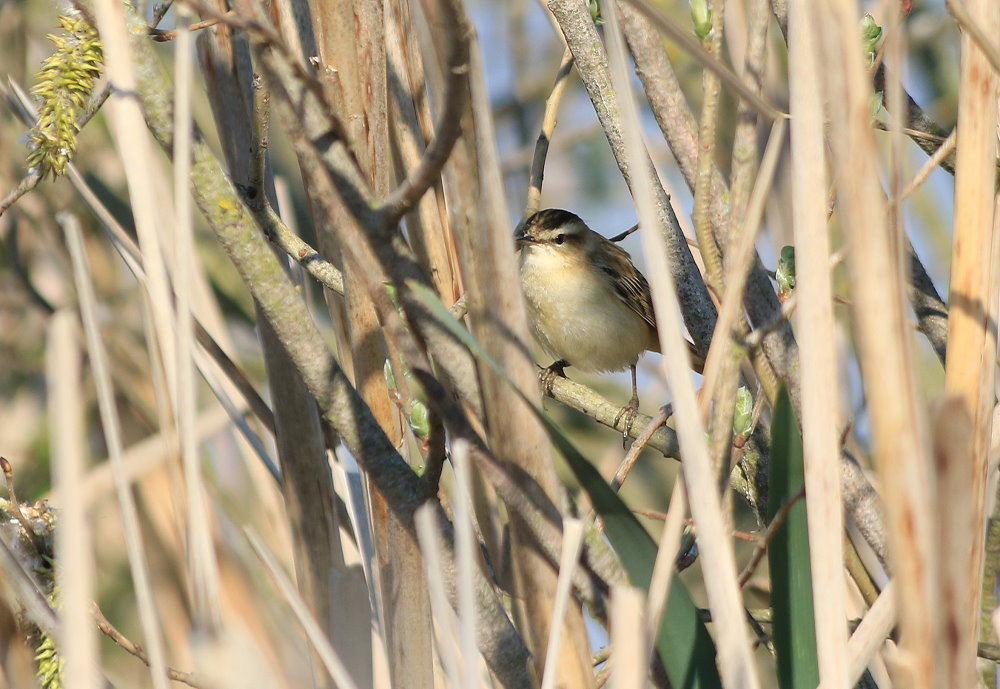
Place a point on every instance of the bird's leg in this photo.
(629, 411)
(547, 375)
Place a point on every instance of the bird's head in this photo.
(556, 230)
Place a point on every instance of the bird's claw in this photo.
(548, 375)
(629, 413)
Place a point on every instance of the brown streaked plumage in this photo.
(589, 306)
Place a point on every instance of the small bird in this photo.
(588, 305)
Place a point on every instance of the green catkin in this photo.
(64, 85)
(50, 664)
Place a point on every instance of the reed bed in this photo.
(270, 408)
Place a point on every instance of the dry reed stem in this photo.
(357, 50)
(970, 370)
(957, 537)
(446, 623)
(148, 617)
(816, 331)
(424, 223)
(627, 642)
(201, 550)
(740, 259)
(884, 337)
(74, 555)
(135, 148)
(735, 659)
(142, 457)
(465, 561)
(333, 663)
(665, 566)
(573, 532)
(971, 20)
(874, 629)
(711, 90)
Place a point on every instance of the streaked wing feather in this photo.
(631, 287)
(629, 284)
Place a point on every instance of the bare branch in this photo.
(405, 197)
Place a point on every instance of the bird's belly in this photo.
(588, 327)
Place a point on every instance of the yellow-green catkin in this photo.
(64, 85)
(48, 661)
(50, 664)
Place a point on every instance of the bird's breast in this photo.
(576, 315)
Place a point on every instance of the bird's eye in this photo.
(560, 238)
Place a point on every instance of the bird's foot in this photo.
(628, 413)
(547, 375)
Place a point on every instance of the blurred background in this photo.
(522, 50)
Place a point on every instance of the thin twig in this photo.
(164, 35)
(757, 335)
(549, 119)
(930, 164)
(17, 265)
(639, 445)
(594, 405)
(22, 188)
(259, 142)
(687, 42)
(453, 107)
(8, 475)
(26, 591)
(135, 649)
(626, 233)
(160, 10)
(111, 425)
(772, 529)
(236, 376)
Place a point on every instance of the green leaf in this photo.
(743, 413)
(785, 272)
(684, 644)
(420, 419)
(701, 17)
(794, 629)
(871, 34)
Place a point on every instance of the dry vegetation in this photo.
(266, 368)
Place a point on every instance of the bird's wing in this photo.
(629, 284)
(631, 287)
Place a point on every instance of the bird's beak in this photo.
(523, 240)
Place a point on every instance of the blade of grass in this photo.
(788, 557)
